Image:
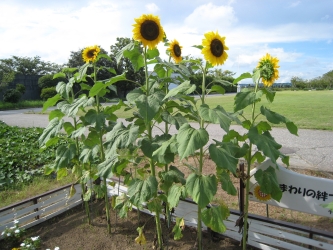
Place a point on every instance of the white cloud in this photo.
(211, 17)
(294, 4)
(152, 7)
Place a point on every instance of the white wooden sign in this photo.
(300, 192)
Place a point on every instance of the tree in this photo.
(125, 65)
(28, 66)
(298, 82)
(328, 79)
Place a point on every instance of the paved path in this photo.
(312, 149)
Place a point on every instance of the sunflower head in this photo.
(90, 54)
(268, 66)
(175, 51)
(148, 30)
(214, 48)
(260, 195)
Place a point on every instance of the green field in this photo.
(307, 109)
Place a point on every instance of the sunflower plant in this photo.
(85, 121)
(258, 143)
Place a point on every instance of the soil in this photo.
(71, 231)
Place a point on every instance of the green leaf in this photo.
(217, 116)
(115, 79)
(276, 118)
(269, 94)
(95, 119)
(51, 130)
(190, 139)
(165, 153)
(184, 88)
(244, 99)
(64, 155)
(242, 77)
(133, 95)
(69, 128)
(51, 102)
(219, 89)
(268, 182)
(174, 195)
(152, 53)
(97, 88)
(256, 76)
(226, 182)
(222, 158)
(105, 168)
(178, 120)
(135, 57)
(61, 173)
(148, 147)
(201, 188)
(72, 109)
(214, 216)
(141, 191)
(82, 72)
(265, 142)
(178, 228)
(56, 114)
(149, 106)
(123, 205)
(198, 46)
(60, 74)
(170, 177)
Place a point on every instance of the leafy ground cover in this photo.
(21, 105)
(21, 158)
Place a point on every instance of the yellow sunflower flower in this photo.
(260, 195)
(214, 48)
(90, 53)
(268, 66)
(175, 51)
(148, 30)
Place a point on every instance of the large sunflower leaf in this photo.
(135, 57)
(178, 120)
(51, 102)
(64, 155)
(246, 98)
(149, 106)
(54, 126)
(105, 168)
(214, 216)
(88, 154)
(115, 79)
(276, 118)
(123, 205)
(97, 88)
(265, 142)
(141, 191)
(217, 116)
(201, 188)
(95, 119)
(268, 182)
(133, 95)
(169, 178)
(184, 88)
(242, 77)
(226, 182)
(174, 195)
(222, 158)
(190, 139)
(56, 113)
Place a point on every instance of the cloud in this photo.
(152, 7)
(211, 17)
(294, 4)
(326, 17)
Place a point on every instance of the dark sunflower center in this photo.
(91, 53)
(216, 47)
(177, 50)
(149, 30)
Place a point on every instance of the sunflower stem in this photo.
(151, 161)
(106, 198)
(247, 185)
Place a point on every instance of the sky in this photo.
(298, 32)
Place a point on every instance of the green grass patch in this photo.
(39, 185)
(21, 105)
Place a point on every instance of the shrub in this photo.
(48, 81)
(12, 96)
(20, 88)
(48, 92)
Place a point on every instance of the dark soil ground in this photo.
(70, 231)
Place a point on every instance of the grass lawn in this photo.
(307, 109)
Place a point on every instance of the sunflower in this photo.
(214, 48)
(90, 53)
(175, 51)
(260, 195)
(148, 30)
(268, 66)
